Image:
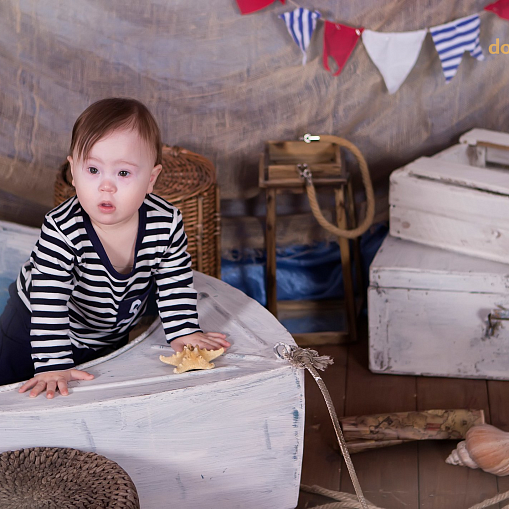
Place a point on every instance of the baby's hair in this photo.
(107, 115)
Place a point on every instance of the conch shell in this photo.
(484, 447)
(192, 357)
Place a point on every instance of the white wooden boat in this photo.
(439, 313)
(224, 438)
(458, 199)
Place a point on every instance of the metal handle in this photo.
(308, 138)
(494, 320)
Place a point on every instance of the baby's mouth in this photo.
(106, 206)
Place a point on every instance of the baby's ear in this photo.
(153, 177)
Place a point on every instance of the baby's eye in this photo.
(123, 173)
(93, 170)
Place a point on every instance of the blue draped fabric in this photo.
(303, 272)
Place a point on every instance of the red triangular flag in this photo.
(501, 8)
(249, 6)
(338, 42)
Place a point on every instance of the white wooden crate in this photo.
(428, 313)
(457, 199)
(225, 438)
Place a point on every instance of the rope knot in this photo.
(302, 357)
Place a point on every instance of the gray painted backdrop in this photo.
(221, 84)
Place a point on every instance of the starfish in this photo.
(192, 357)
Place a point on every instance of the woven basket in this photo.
(62, 478)
(188, 181)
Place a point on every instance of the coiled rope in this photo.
(312, 361)
(366, 179)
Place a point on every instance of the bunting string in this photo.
(393, 53)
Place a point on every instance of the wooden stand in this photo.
(280, 168)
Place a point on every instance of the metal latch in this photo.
(305, 172)
(494, 320)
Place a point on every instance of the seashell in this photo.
(485, 447)
(461, 457)
(192, 357)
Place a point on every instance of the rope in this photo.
(310, 360)
(347, 501)
(370, 195)
(492, 501)
(343, 500)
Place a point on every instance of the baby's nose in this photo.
(108, 185)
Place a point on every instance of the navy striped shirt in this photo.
(76, 296)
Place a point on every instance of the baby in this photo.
(89, 276)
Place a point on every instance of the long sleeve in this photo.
(52, 282)
(176, 296)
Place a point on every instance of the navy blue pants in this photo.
(16, 362)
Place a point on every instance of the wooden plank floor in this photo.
(409, 476)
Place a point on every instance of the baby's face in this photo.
(112, 182)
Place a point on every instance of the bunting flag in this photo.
(249, 6)
(338, 43)
(500, 8)
(394, 54)
(301, 23)
(453, 39)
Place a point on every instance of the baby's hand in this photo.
(207, 340)
(51, 380)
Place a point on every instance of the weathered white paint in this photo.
(228, 437)
(456, 174)
(471, 155)
(428, 313)
(445, 202)
(493, 146)
(475, 136)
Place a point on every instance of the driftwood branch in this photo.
(374, 431)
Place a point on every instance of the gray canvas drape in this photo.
(221, 84)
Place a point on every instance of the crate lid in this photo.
(485, 137)
(450, 173)
(405, 264)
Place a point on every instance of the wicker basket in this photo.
(188, 181)
(63, 478)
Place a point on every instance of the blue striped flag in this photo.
(301, 24)
(453, 39)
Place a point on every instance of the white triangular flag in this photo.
(394, 53)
